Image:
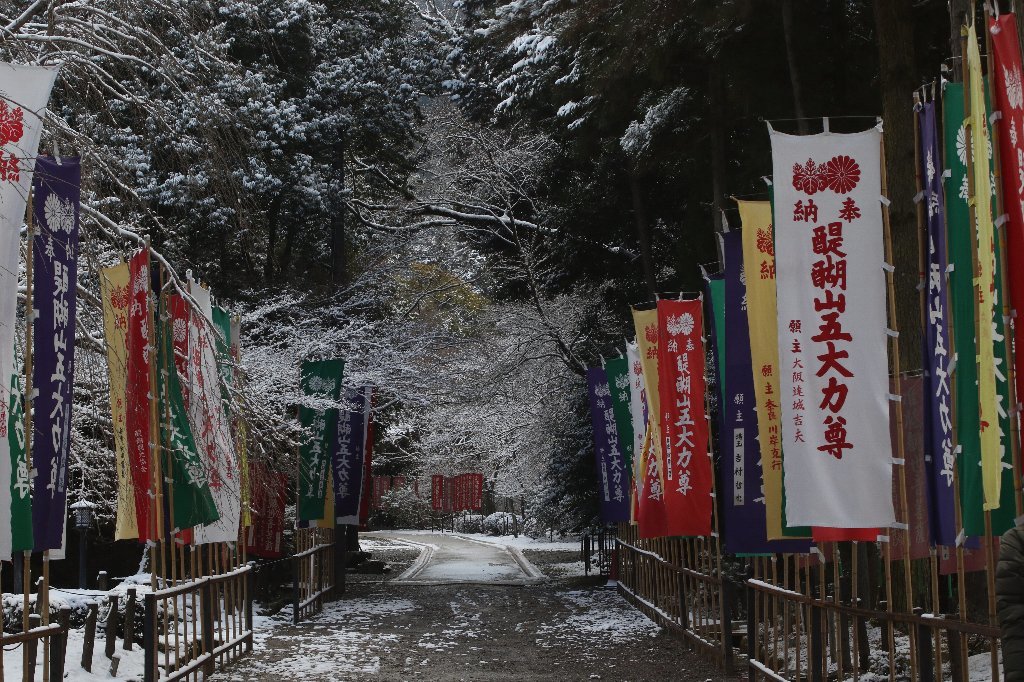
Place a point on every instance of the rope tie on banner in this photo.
(883, 538)
(995, 116)
(888, 267)
(892, 333)
(948, 173)
(893, 398)
(952, 364)
(896, 525)
(960, 537)
(1019, 520)
(919, 197)
(899, 461)
(825, 124)
(885, 200)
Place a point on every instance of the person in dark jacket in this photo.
(1010, 602)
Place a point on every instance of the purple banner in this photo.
(56, 189)
(612, 480)
(938, 416)
(347, 458)
(744, 514)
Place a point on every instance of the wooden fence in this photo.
(191, 627)
(312, 571)
(798, 617)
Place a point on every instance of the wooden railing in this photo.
(312, 571)
(191, 627)
(677, 583)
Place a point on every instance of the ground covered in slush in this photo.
(546, 631)
(471, 608)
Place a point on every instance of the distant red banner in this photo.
(464, 492)
(269, 490)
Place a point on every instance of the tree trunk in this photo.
(716, 88)
(643, 234)
(273, 223)
(339, 254)
(794, 74)
(894, 26)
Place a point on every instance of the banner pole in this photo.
(894, 346)
(27, 556)
(973, 230)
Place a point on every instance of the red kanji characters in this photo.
(828, 241)
(829, 273)
(835, 437)
(764, 241)
(805, 213)
(849, 212)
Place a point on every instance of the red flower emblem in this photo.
(11, 123)
(841, 174)
(808, 178)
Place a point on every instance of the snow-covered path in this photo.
(451, 559)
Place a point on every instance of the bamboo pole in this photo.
(898, 409)
(27, 555)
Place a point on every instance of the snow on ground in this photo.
(521, 542)
(597, 617)
(130, 668)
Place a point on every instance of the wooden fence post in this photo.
(129, 620)
(206, 608)
(110, 629)
(90, 637)
(58, 648)
(34, 621)
(149, 645)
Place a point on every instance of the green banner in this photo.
(962, 304)
(192, 499)
(716, 289)
(320, 380)
(617, 370)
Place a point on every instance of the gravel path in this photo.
(470, 613)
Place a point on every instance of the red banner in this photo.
(138, 389)
(437, 492)
(681, 386)
(1009, 103)
(476, 499)
(269, 490)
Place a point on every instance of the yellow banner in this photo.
(114, 290)
(759, 268)
(646, 323)
(984, 282)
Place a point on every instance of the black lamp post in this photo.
(84, 511)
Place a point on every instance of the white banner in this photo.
(637, 403)
(210, 425)
(834, 386)
(24, 93)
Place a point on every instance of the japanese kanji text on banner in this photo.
(832, 329)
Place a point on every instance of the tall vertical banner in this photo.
(210, 423)
(984, 280)
(347, 459)
(758, 237)
(322, 381)
(688, 482)
(24, 93)
(612, 479)
(938, 405)
(264, 535)
(962, 301)
(115, 291)
(650, 479)
(832, 329)
(638, 418)
(743, 501)
(436, 492)
(56, 188)
(617, 370)
(139, 392)
(1009, 96)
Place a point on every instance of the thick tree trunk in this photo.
(716, 88)
(894, 27)
(339, 254)
(794, 73)
(643, 234)
(273, 223)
